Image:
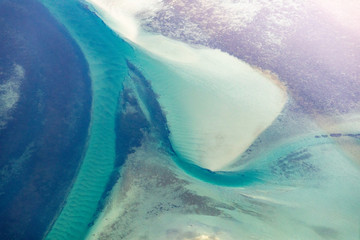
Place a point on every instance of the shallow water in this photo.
(291, 178)
(105, 55)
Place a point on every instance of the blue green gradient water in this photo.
(105, 54)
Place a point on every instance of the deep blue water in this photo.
(53, 116)
(106, 54)
(49, 124)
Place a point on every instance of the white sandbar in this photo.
(216, 105)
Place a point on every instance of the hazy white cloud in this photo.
(10, 94)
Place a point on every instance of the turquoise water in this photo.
(106, 54)
(259, 170)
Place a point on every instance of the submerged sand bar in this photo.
(216, 105)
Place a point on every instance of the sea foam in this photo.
(215, 104)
